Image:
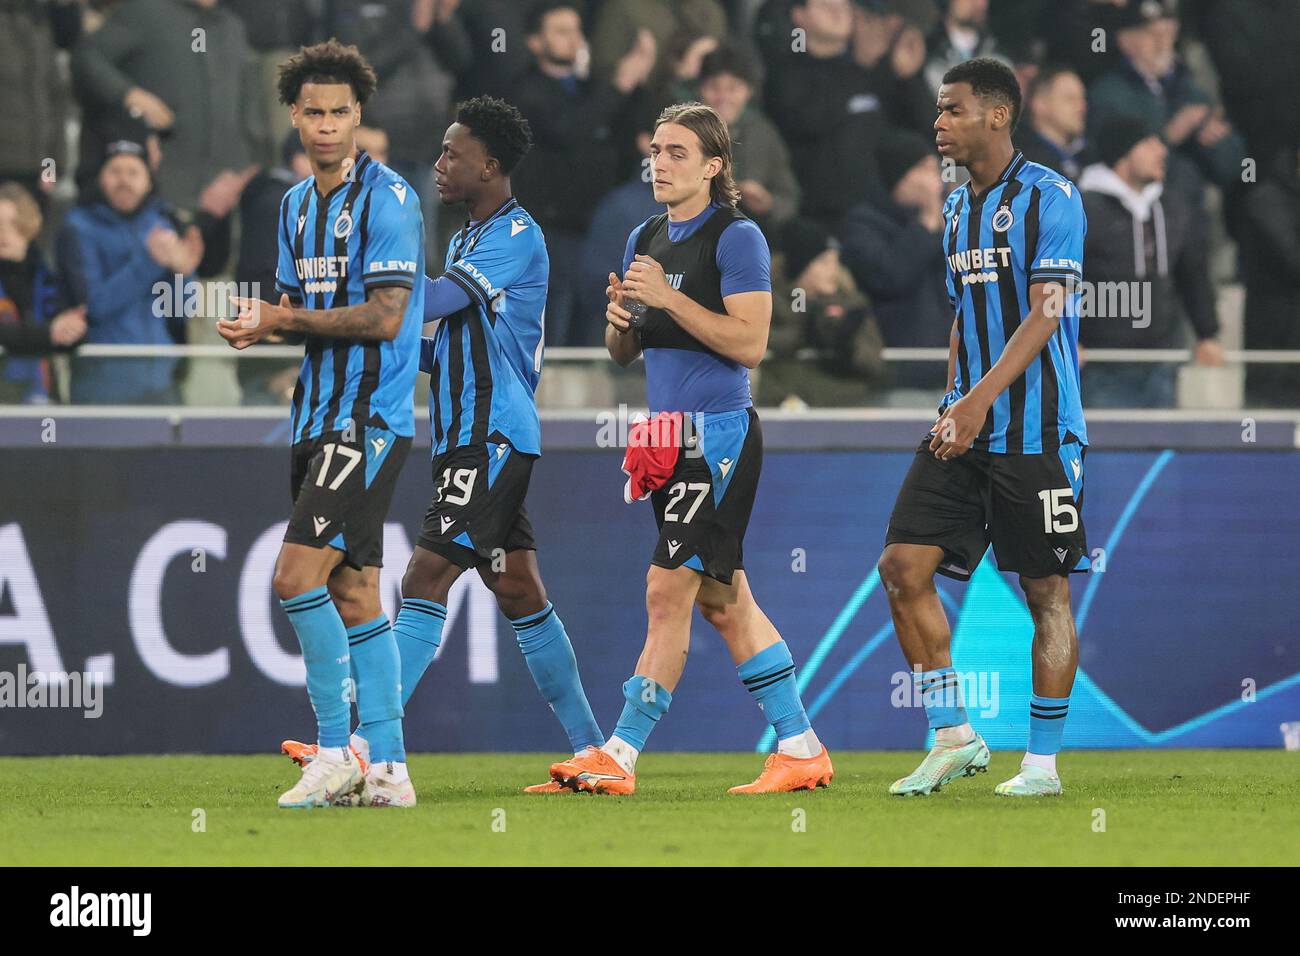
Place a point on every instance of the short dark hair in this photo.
(1045, 77)
(728, 59)
(539, 11)
(328, 62)
(989, 79)
(499, 127)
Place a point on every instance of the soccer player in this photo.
(350, 273)
(1004, 462)
(701, 270)
(484, 360)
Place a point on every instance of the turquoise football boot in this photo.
(943, 765)
(1030, 782)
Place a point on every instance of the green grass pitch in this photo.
(1187, 807)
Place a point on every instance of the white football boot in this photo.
(380, 789)
(324, 780)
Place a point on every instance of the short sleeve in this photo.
(744, 259)
(629, 251)
(497, 259)
(1058, 257)
(394, 237)
(286, 275)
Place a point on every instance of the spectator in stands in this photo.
(893, 246)
(1254, 45)
(493, 28)
(573, 162)
(1154, 84)
(961, 35)
(1151, 243)
(34, 98)
(415, 91)
(32, 320)
(110, 255)
(198, 92)
(891, 48)
(769, 193)
(1269, 254)
(825, 347)
(672, 24)
(828, 110)
(620, 211)
(275, 31)
(1056, 111)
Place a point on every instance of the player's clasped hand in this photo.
(617, 316)
(254, 320)
(645, 280)
(955, 431)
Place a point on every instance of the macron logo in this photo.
(1074, 463)
(724, 466)
(673, 547)
(321, 524)
(517, 226)
(446, 523)
(399, 191)
(1064, 187)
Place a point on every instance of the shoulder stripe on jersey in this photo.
(482, 366)
(1011, 312)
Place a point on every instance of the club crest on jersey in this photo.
(343, 225)
(1003, 219)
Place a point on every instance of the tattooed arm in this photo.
(379, 318)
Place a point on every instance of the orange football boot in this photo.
(595, 771)
(303, 754)
(549, 786)
(783, 773)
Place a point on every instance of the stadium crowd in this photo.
(179, 155)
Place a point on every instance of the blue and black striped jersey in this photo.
(368, 233)
(1027, 228)
(486, 359)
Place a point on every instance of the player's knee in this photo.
(357, 602)
(663, 599)
(428, 577)
(519, 596)
(902, 576)
(726, 619)
(1049, 595)
(289, 581)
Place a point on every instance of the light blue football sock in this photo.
(769, 678)
(1047, 723)
(418, 632)
(324, 643)
(550, 659)
(941, 696)
(646, 702)
(376, 668)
